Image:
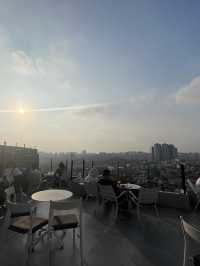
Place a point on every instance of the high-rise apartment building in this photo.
(18, 156)
(164, 152)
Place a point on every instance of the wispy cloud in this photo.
(190, 93)
(23, 64)
(88, 109)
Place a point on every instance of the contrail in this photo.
(55, 109)
(49, 109)
(8, 111)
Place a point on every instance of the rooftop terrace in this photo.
(128, 242)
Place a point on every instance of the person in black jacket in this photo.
(107, 180)
(59, 175)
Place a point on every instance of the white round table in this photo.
(52, 195)
(130, 186)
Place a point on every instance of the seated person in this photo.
(10, 194)
(92, 175)
(107, 180)
(3, 185)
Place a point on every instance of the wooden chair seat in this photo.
(65, 222)
(22, 225)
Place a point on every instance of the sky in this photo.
(106, 75)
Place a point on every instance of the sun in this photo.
(21, 111)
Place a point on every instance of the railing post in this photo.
(83, 169)
(117, 168)
(51, 165)
(92, 163)
(148, 173)
(71, 170)
(182, 167)
(66, 168)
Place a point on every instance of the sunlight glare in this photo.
(21, 111)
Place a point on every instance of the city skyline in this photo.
(88, 152)
(101, 75)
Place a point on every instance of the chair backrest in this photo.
(91, 189)
(16, 207)
(148, 195)
(65, 207)
(192, 186)
(107, 192)
(16, 210)
(190, 230)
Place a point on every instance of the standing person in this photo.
(21, 180)
(34, 179)
(8, 174)
(92, 175)
(60, 174)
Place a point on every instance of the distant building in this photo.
(84, 152)
(164, 152)
(157, 152)
(18, 156)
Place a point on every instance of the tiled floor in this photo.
(151, 242)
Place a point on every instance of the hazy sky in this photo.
(100, 75)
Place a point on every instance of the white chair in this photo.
(107, 194)
(20, 218)
(148, 197)
(91, 189)
(65, 215)
(195, 191)
(189, 231)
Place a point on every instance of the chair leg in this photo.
(28, 247)
(156, 210)
(59, 240)
(138, 212)
(49, 246)
(5, 227)
(81, 248)
(95, 208)
(74, 238)
(64, 234)
(196, 206)
(5, 235)
(184, 255)
(191, 261)
(1, 211)
(116, 210)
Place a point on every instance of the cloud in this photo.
(102, 109)
(30, 79)
(189, 94)
(23, 64)
(85, 110)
